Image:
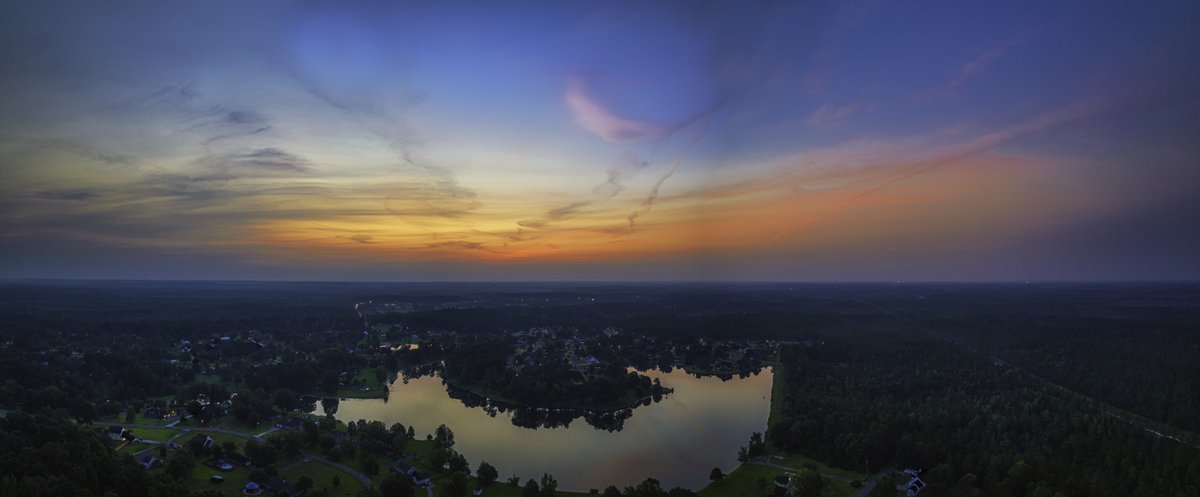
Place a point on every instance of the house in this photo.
(294, 423)
(155, 413)
(783, 485)
(279, 486)
(914, 487)
(403, 469)
(200, 442)
(477, 491)
(782, 481)
(237, 459)
(421, 479)
(115, 432)
(148, 461)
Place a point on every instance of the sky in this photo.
(742, 141)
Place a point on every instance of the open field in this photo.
(156, 434)
(747, 481)
(322, 476)
(231, 486)
(374, 387)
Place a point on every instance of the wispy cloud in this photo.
(76, 195)
(975, 67)
(268, 160)
(831, 113)
(595, 119)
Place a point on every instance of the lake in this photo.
(678, 440)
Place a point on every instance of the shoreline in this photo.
(508, 402)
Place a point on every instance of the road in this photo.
(869, 485)
(361, 477)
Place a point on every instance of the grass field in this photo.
(745, 482)
(375, 387)
(232, 486)
(232, 423)
(156, 434)
(138, 419)
(796, 461)
(131, 448)
(322, 476)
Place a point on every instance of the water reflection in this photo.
(677, 440)
(533, 417)
(538, 417)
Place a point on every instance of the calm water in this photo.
(678, 441)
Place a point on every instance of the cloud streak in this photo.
(599, 121)
(976, 67)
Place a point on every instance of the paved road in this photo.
(269, 430)
(870, 484)
(366, 480)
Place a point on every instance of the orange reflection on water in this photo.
(699, 426)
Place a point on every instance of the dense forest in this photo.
(47, 454)
(1022, 390)
(1136, 347)
(976, 426)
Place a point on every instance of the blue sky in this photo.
(600, 140)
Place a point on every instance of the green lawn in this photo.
(322, 476)
(219, 438)
(744, 482)
(375, 390)
(796, 460)
(156, 434)
(131, 448)
(232, 423)
(232, 486)
(138, 419)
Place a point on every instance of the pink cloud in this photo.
(595, 119)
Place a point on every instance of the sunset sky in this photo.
(806, 141)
